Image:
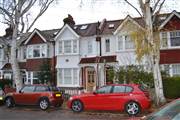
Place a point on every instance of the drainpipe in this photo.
(54, 62)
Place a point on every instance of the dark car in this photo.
(169, 112)
(41, 95)
(123, 97)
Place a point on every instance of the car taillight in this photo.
(57, 95)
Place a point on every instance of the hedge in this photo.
(5, 82)
(171, 87)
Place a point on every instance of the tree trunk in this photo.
(14, 62)
(160, 99)
(154, 54)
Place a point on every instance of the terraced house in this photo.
(80, 55)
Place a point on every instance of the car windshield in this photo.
(170, 112)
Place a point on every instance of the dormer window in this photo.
(83, 27)
(111, 26)
(75, 27)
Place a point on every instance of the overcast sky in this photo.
(84, 11)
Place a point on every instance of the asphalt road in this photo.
(34, 113)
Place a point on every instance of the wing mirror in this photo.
(20, 91)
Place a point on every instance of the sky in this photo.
(85, 11)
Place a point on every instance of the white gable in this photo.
(128, 25)
(67, 33)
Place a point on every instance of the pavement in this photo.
(62, 113)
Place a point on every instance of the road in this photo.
(34, 113)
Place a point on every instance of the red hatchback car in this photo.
(41, 95)
(131, 98)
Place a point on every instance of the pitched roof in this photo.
(90, 29)
(7, 66)
(98, 59)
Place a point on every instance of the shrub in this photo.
(5, 82)
(134, 74)
(171, 87)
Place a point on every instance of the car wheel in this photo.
(44, 103)
(9, 102)
(132, 108)
(77, 106)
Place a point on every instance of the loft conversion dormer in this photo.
(111, 26)
(83, 27)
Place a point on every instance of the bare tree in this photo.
(15, 14)
(150, 9)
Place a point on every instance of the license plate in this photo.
(58, 95)
(1, 98)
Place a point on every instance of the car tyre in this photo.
(44, 103)
(132, 108)
(77, 106)
(9, 102)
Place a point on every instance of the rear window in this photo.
(128, 89)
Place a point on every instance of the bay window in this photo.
(164, 40)
(175, 38)
(128, 42)
(37, 51)
(124, 42)
(68, 76)
(67, 46)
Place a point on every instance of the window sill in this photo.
(130, 50)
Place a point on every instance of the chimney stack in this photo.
(69, 20)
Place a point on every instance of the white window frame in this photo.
(74, 78)
(176, 31)
(42, 49)
(74, 47)
(90, 47)
(164, 40)
(30, 77)
(127, 40)
(123, 43)
(107, 45)
(175, 69)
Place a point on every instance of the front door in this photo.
(91, 79)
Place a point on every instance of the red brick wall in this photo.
(34, 64)
(170, 56)
(36, 39)
(173, 24)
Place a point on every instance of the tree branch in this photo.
(29, 6)
(158, 11)
(155, 6)
(8, 14)
(133, 7)
(44, 7)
